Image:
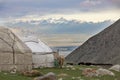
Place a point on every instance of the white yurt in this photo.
(14, 54)
(42, 54)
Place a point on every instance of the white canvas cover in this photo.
(13, 52)
(36, 45)
(42, 54)
(45, 60)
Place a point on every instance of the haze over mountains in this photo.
(54, 31)
(59, 27)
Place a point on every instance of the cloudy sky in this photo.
(59, 22)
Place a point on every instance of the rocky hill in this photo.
(103, 48)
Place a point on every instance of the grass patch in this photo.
(72, 74)
(8, 76)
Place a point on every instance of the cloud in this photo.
(1, 6)
(23, 7)
(80, 16)
(18, 8)
(116, 3)
(89, 3)
(99, 5)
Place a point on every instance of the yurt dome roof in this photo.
(8, 40)
(36, 45)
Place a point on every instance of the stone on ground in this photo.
(115, 68)
(89, 72)
(49, 76)
(32, 73)
(13, 69)
(102, 72)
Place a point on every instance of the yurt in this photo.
(13, 52)
(42, 54)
